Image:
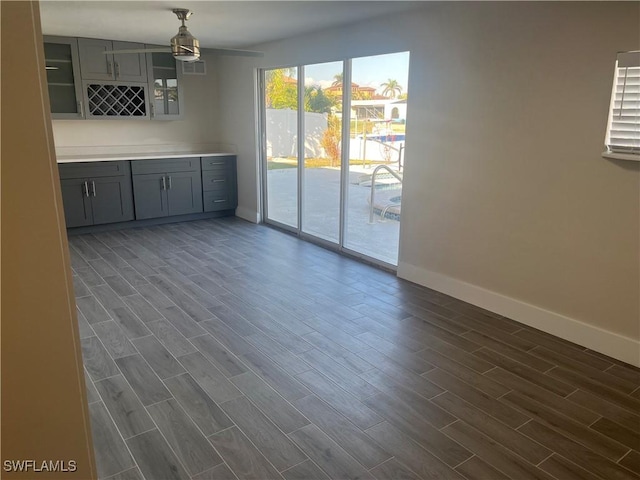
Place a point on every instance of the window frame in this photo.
(624, 60)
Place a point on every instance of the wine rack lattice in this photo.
(116, 100)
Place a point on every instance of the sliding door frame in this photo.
(300, 143)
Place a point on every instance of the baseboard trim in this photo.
(595, 338)
(248, 214)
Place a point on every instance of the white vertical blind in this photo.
(623, 128)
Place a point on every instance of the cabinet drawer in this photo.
(218, 200)
(165, 165)
(93, 169)
(218, 162)
(217, 180)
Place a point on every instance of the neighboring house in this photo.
(381, 109)
(396, 110)
(288, 79)
(357, 91)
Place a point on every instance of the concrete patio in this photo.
(321, 205)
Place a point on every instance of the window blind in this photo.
(623, 128)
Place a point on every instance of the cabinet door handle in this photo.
(81, 109)
(86, 189)
(117, 69)
(93, 188)
(169, 182)
(164, 183)
(109, 70)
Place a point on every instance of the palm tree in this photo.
(337, 79)
(391, 88)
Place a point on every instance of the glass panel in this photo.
(59, 72)
(281, 129)
(165, 84)
(62, 98)
(158, 96)
(172, 96)
(60, 80)
(377, 137)
(57, 51)
(322, 150)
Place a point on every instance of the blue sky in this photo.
(366, 71)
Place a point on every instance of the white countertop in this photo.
(111, 157)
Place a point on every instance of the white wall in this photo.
(198, 129)
(507, 201)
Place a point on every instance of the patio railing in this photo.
(373, 186)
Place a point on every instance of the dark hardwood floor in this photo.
(220, 349)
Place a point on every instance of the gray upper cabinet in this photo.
(165, 86)
(130, 67)
(95, 64)
(87, 82)
(63, 77)
(96, 193)
(114, 86)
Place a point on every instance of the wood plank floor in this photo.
(220, 349)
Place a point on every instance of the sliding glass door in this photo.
(321, 178)
(339, 182)
(280, 124)
(376, 155)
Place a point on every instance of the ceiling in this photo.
(221, 24)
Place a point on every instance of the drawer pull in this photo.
(218, 181)
(217, 163)
(219, 201)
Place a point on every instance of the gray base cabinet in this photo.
(166, 187)
(77, 206)
(97, 193)
(150, 195)
(184, 193)
(92, 195)
(219, 184)
(111, 200)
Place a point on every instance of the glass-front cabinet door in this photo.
(165, 88)
(63, 77)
